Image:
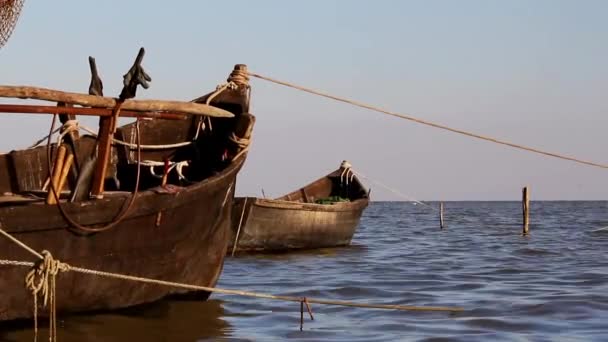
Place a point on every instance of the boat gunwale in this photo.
(140, 197)
(359, 203)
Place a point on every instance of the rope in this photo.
(41, 279)
(218, 90)
(114, 140)
(395, 191)
(240, 77)
(432, 124)
(242, 143)
(20, 244)
(135, 146)
(599, 229)
(347, 175)
(123, 214)
(242, 293)
(178, 166)
(44, 138)
(238, 231)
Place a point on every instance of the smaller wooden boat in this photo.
(324, 213)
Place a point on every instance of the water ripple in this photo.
(552, 285)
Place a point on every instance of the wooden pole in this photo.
(57, 169)
(36, 109)
(70, 139)
(163, 183)
(108, 102)
(67, 166)
(103, 154)
(301, 315)
(526, 210)
(304, 195)
(441, 215)
(238, 230)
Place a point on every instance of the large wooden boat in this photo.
(169, 222)
(324, 213)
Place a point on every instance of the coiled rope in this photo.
(125, 210)
(428, 123)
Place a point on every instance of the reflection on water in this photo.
(168, 320)
(552, 285)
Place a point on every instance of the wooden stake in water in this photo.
(526, 210)
(441, 215)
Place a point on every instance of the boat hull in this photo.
(277, 225)
(188, 246)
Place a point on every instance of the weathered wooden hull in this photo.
(187, 247)
(176, 230)
(276, 225)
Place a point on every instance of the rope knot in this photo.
(347, 173)
(69, 126)
(240, 142)
(239, 75)
(346, 164)
(39, 279)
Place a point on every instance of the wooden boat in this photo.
(324, 213)
(176, 228)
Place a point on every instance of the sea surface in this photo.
(549, 286)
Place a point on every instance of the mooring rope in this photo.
(599, 229)
(347, 175)
(428, 123)
(396, 192)
(49, 267)
(238, 230)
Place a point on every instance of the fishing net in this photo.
(9, 13)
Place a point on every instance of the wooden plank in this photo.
(61, 151)
(24, 92)
(71, 138)
(34, 109)
(103, 155)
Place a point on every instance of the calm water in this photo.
(551, 286)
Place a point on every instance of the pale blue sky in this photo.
(533, 72)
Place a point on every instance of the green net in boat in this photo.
(331, 200)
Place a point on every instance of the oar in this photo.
(45, 94)
(85, 111)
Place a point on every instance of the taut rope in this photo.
(49, 267)
(398, 193)
(428, 123)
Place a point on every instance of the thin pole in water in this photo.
(526, 210)
(441, 225)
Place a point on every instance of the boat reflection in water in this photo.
(165, 320)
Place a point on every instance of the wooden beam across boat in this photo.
(25, 92)
(85, 111)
